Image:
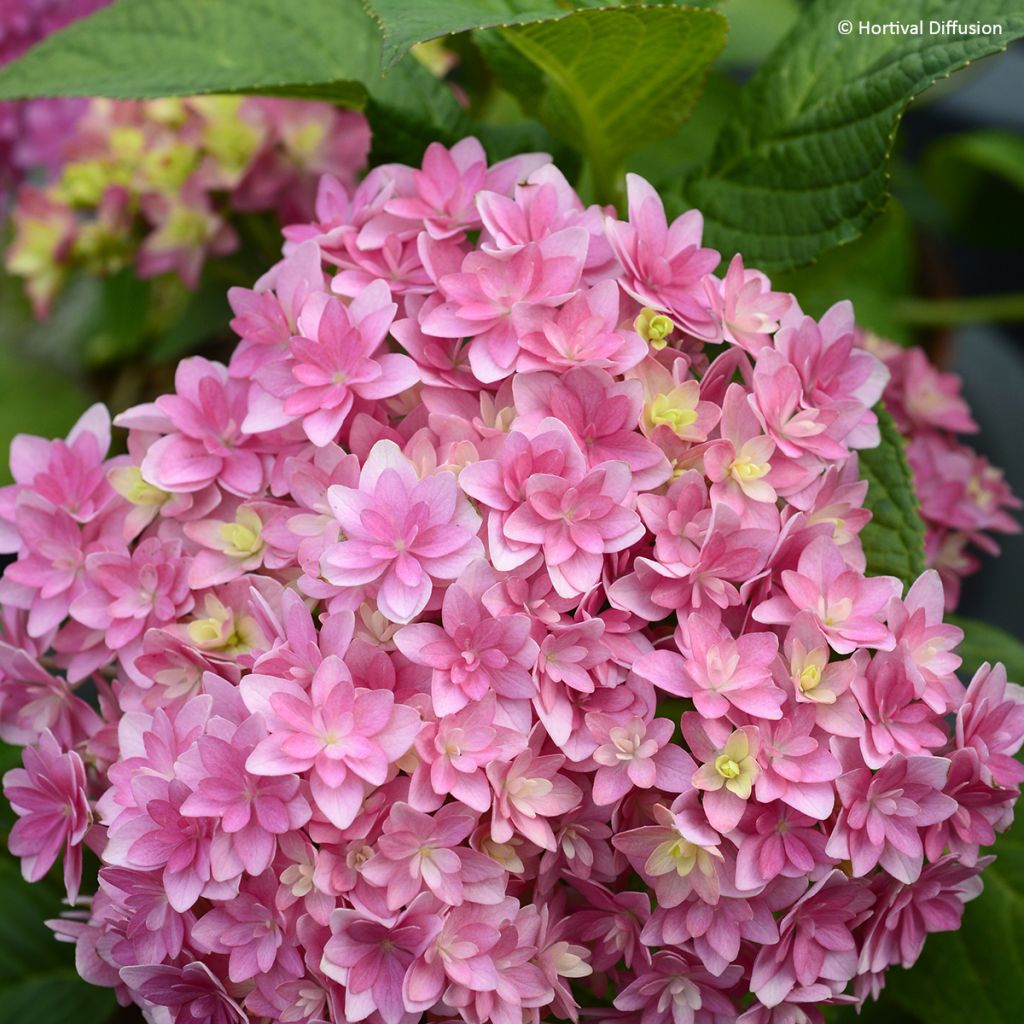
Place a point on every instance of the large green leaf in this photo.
(609, 80)
(894, 539)
(802, 164)
(326, 49)
(983, 642)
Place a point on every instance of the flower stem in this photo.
(949, 312)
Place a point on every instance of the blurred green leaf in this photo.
(38, 980)
(894, 539)
(755, 29)
(978, 180)
(801, 166)
(36, 397)
(983, 642)
(119, 324)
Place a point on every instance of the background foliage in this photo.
(793, 167)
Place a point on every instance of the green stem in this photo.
(609, 184)
(950, 312)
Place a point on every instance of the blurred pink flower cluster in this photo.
(159, 184)
(32, 132)
(963, 498)
(492, 636)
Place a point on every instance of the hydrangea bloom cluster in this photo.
(157, 184)
(963, 498)
(492, 637)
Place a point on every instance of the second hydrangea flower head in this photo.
(493, 634)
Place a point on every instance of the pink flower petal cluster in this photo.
(480, 643)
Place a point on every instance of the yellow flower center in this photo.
(810, 677)
(745, 468)
(653, 327)
(128, 482)
(727, 767)
(664, 412)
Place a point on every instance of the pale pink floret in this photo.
(638, 754)
(720, 672)
(600, 413)
(251, 931)
(585, 331)
(927, 643)
(729, 771)
(895, 721)
(446, 189)
(749, 311)
(679, 855)
(335, 358)
(846, 606)
(676, 989)
(347, 736)
(204, 442)
(471, 654)
(458, 748)
(124, 595)
(779, 841)
(370, 957)
(401, 533)
(49, 797)
(575, 521)
(882, 814)
(664, 264)
(253, 810)
(528, 791)
(70, 475)
(797, 766)
(492, 290)
(991, 721)
(499, 485)
(267, 317)
(819, 681)
(417, 850)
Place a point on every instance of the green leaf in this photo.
(323, 49)
(614, 79)
(38, 980)
(894, 539)
(802, 165)
(983, 642)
